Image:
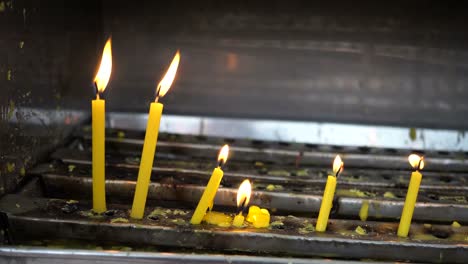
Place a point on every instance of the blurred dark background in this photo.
(380, 62)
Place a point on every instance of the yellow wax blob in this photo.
(238, 220)
(259, 217)
(456, 224)
(216, 218)
(262, 219)
(364, 212)
(253, 210)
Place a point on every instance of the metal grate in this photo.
(288, 179)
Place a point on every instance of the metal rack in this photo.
(288, 179)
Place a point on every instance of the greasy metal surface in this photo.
(184, 164)
(37, 255)
(44, 217)
(285, 202)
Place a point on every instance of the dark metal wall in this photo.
(48, 52)
(375, 63)
(379, 63)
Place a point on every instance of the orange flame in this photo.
(416, 161)
(243, 194)
(166, 82)
(223, 155)
(338, 165)
(105, 69)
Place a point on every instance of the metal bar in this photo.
(352, 178)
(289, 156)
(44, 218)
(37, 255)
(122, 190)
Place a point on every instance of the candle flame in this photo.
(166, 82)
(223, 155)
(337, 165)
(416, 161)
(105, 69)
(243, 194)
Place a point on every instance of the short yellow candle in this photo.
(243, 198)
(207, 198)
(329, 193)
(98, 123)
(151, 138)
(238, 220)
(411, 196)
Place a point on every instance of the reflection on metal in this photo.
(303, 132)
(36, 116)
(273, 130)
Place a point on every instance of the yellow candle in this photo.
(209, 193)
(238, 220)
(98, 123)
(411, 196)
(146, 161)
(98, 127)
(243, 198)
(329, 193)
(151, 138)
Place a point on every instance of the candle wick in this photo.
(157, 94)
(221, 163)
(96, 90)
(338, 172)
(241, 207)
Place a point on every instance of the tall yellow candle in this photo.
(328, 194)
(207, 198)
(411, 196)
(151, 138)
(98, 108)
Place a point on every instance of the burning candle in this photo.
(98, 107)
(209, 193)
(411, 196)
(243, 198)
(327, 200)
(151, 138)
